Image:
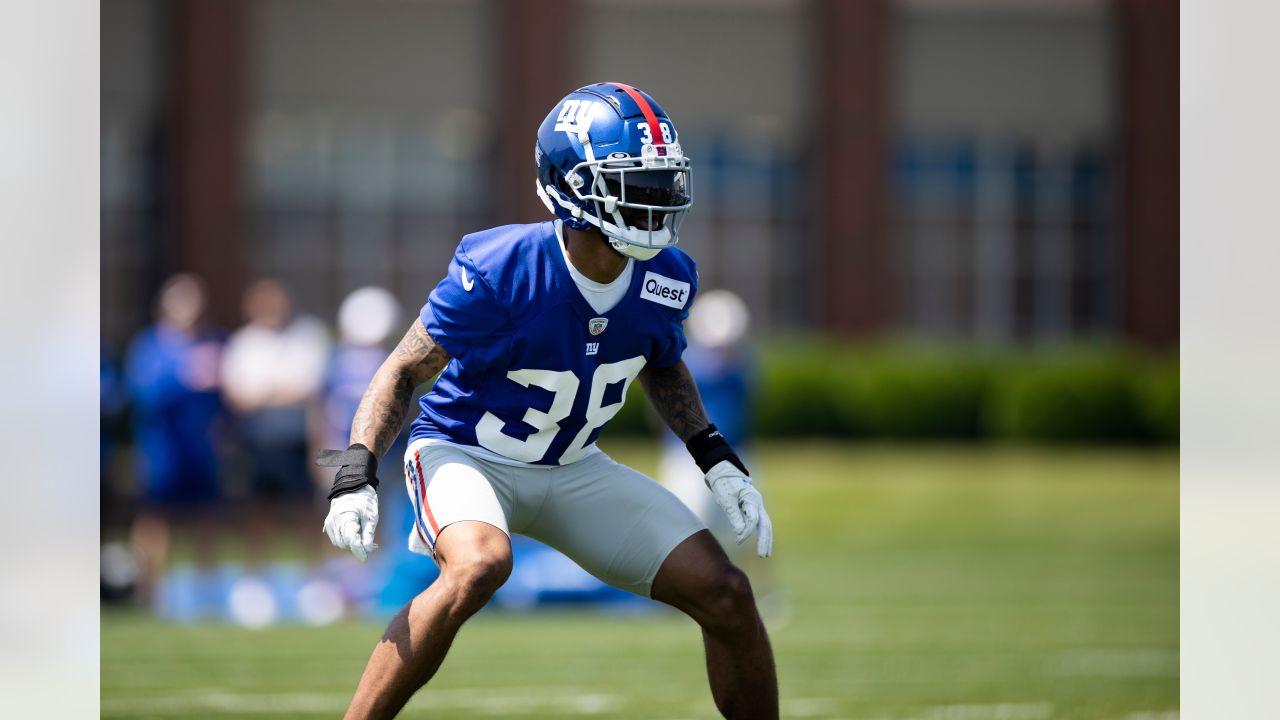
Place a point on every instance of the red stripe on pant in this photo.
(422, 491)
(417, 520)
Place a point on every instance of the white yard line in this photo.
(505, 701)
(997, 711)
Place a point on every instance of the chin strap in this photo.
(573, 215)
(633, 251)
(542, 195)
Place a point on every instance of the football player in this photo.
(539, 330)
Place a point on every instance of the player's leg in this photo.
(629, 531)
(459, 521)
(698, 579)
(474, 559)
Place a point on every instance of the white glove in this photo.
(352, 519)
(741, 501)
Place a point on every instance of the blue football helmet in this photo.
(609, 157)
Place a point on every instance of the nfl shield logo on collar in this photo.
(597, 325)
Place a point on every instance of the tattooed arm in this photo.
(385, 403)
(675, 396)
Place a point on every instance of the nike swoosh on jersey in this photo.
(467, 283)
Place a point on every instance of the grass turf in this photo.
(929, 583)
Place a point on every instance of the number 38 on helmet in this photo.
(609, 157)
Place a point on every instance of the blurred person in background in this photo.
(366, 319)
(719, 358)
(172, 377)
(272, 369)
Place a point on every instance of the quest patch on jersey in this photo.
(664, 291)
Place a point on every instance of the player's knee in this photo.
(729, 604)
(475, 579)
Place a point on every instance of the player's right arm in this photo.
(380, 416)
(353, 507)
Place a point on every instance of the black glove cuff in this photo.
(357, 467)
(709, 447)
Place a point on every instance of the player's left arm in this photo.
(674, 394)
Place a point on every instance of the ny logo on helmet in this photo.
(576, 116)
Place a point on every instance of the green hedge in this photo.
(1069, 397)
(1158, 399)
(1078, 394)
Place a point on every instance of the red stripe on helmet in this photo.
(655, 130)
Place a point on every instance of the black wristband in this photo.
(709, 447)
(357, 467)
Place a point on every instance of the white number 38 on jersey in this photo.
(564, 384)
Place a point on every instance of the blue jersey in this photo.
(536, 372)
(174, 423)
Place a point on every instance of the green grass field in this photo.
(932, 583)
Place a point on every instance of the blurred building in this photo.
(954, 169)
